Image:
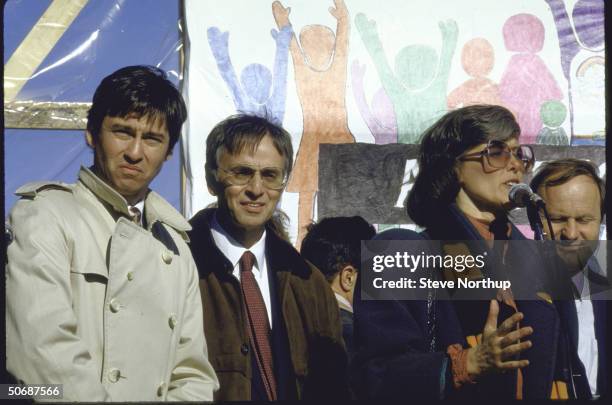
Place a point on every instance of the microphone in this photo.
(522, 196)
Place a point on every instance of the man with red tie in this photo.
(270, 319)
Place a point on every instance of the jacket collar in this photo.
(156, 208)
(452, 224)
(281, 256)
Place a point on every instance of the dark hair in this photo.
(241, 131)
(279, 224)
(437, 185)
(557, 172)
(141, 90)
(335, 242)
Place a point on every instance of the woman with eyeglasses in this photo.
(468, 161)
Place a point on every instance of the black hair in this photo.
(436, 185)
(335, 242)
(141, 90)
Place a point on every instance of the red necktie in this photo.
(259, 328)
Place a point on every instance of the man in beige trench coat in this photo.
(102, 293)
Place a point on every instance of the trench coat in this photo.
(95, 302)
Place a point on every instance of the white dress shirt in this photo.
(587, 343)
(343, 303)
(233, 250)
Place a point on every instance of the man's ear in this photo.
(211, 182)
(90, 139)
(348, 276)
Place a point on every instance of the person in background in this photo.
(270, 319)
(102, 293)
(574, 195)
(333, 245)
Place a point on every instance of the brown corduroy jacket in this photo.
(309, 311)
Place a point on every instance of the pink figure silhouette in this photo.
(527, 82)
(477, 59)
(380, 119)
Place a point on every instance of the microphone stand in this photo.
(533, 214)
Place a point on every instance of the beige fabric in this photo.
(96, 303)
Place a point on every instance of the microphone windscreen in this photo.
(519, 194)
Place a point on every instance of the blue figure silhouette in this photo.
(252, 93)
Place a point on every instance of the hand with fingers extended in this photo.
(366, 27)
(281, 14)
(217, 39)
(339, 11)
(449, 29)
(499, 346)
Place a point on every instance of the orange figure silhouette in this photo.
(320, 66)
(477, 59)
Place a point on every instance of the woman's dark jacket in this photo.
(401, 345)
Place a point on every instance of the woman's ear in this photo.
(458, 173)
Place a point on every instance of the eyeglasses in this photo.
(498, 155)
(272, 178)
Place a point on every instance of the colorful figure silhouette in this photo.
(418, 84)
(477, 59)
(526, 82)
(584, 31)
(581, 37)
(251, 94)
(589, 95)
(320, 75)
(381, 118)
(553, 113)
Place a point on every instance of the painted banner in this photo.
(346, 71)
(374, 180)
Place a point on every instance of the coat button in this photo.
(172, 321)
(167, 256)
(161, 388)
(8, 234)
(130, 276)
(244, 349)
(114, 305)
(113, 375)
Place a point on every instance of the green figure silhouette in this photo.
(418, 85)
(553, 113)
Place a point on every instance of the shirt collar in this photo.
(232, 249)
(581, 283)
(343, 302)
(140, 207)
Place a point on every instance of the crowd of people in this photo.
(115, 295)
